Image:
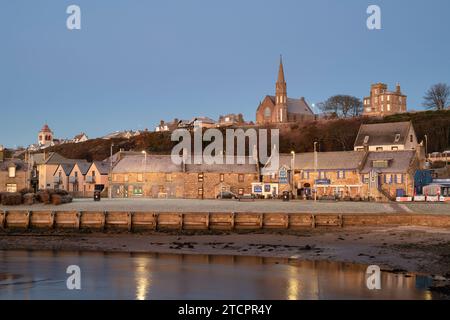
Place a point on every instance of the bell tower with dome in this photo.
(45, 136)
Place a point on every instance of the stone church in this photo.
(280, 108)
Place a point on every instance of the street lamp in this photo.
(426, 147)
(145, 166)
(292, 170)
(110, 172)
(315, 169)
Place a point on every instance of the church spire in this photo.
(281, 72)
(281, 95)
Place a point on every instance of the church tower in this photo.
(281, 95)
(45, 136)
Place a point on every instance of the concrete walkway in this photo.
(185, 206)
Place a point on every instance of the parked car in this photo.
(251, 197)
(226, 195)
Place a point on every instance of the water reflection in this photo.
(41, 275)
(142, 276)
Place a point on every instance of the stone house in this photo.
(337, 173)
(13, 175)
(156, 176)
(153, 176)
(207, 181)
(390, 174)
(391, 136)
(330, 173)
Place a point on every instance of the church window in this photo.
(267, 112)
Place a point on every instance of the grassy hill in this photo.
(332, 135)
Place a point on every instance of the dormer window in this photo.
(380, 163)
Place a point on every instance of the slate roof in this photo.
(383, 133)
(224, 168)
(67, 168)
(83, 166)
(155, 163)
(19, 164)
(103, 167)
(399, 161)
(54, 158)
(343, 160)
(297, 106)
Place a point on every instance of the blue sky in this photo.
(136, 62)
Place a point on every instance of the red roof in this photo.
(45, 128)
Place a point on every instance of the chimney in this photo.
(2, 153)
(398, 89)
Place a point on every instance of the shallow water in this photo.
(42, 275)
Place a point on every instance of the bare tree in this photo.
(342, 106)
(437, 97)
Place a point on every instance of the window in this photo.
(397, 137)
(161, 189)
(125, 178)
(394, 148)
(389, 98)
(168, 177)
(322, 175)
(200, 177)
(241, 191)
(11, 187)
(379, 149)
(341, 174)
(411, 138)
(76, 174)
(380, 163)
(200, 192)
(399, 178)
(12, 172)
(305, 175)
(222, 177)
(115, 178)
(137, 191)
(388, 178)
(93, 174)
(382, 98)
(241, 178)
(366, 178)
(267, 112)
(140, 177)
(388, 107)
(366, 139)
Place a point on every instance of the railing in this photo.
(73, 179)
(444, 157)
(90, 179)
(207, 221)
